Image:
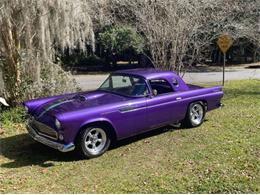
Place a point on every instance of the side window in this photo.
(160, 86)
(121, 81)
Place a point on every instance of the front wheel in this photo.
(195, 115)
(93, 142)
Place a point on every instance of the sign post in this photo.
(224, 42)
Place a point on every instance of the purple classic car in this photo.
(129, 102)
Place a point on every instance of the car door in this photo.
(166, 106)
(132, 117)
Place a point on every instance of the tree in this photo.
(120, 40)
(168, 26)
(31, 31)
(177, 31)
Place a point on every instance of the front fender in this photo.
(70, 133)
(95, 120)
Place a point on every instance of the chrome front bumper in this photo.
(52, 144)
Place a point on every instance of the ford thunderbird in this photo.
(129, 102)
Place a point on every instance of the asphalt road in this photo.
(89, 82)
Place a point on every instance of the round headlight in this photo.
(57, 124)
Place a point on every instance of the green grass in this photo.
(221, 156)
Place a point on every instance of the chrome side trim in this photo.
(130, 109)
(50, 143)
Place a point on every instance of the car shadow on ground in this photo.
(253, 67)
(151, 133)
(23, 151)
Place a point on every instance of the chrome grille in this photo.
(43, 129)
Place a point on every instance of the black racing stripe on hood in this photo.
(54, 104)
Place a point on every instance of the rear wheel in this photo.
(93, 142)
(195, 115)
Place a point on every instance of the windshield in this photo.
(125, 85)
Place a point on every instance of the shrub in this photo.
(53, 81)
(121, 39)
(9, 116)
(50, 80)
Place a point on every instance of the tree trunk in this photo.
(11, 64)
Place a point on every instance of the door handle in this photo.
(178, 98)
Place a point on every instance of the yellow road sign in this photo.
(224, 42)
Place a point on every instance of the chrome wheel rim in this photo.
(95, 141)
(196, 114)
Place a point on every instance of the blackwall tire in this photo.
(93, 142)
(195, 115)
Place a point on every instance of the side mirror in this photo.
(175, 82)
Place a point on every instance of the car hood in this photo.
(77, 102)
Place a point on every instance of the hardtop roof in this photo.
(147, 73)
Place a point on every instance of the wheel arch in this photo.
(203, 101)
(185, 122)
(205, 104)
(102, 123)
